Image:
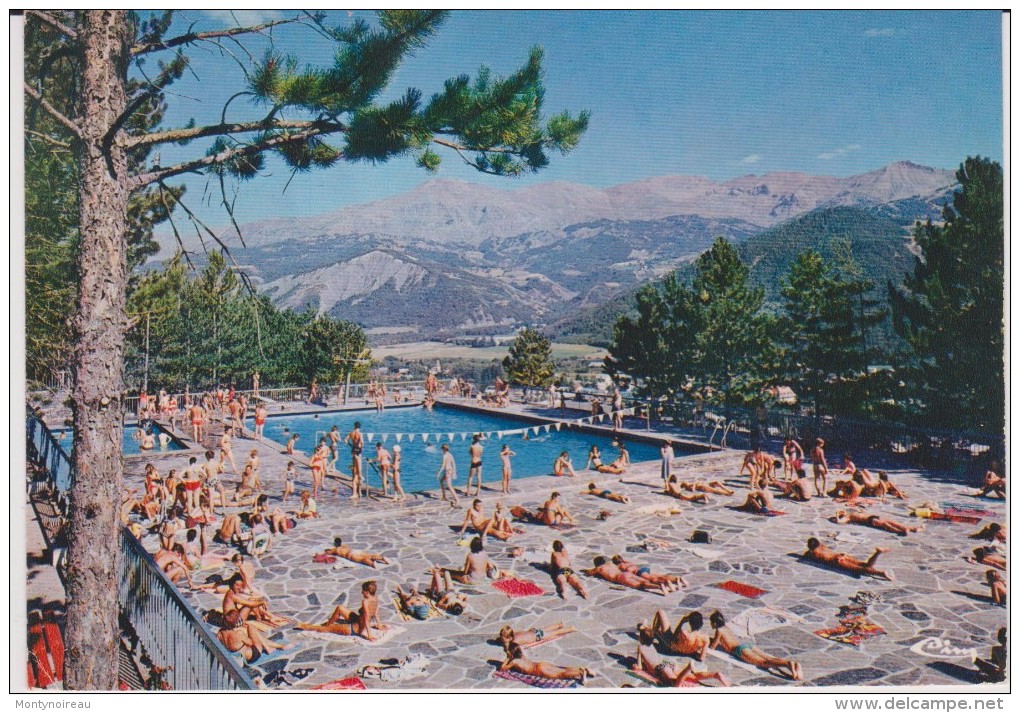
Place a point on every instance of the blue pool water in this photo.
(132, 445)
(421, 460)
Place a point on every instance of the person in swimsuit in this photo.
(346, 622)
(551, 513)
(667, 673)
(212, 470)
(994, 484)
(595, 460)
(993, 669)
(886, 488)
(357, 444)
(383, 461)
(793, 458)
(477, 565)
(447, 472)
(317, 463)
(998, 587)
(498, 526)
(988, 556)
(515, 661)
(291, 443)
(691, 642)
(398, 491)
(820, 553)
(339, 549)
(475, 452)
(260, 420)
(415, 604)
(288, 481)
(442, 594)
(797, 489)
(524, 637)
(226, 451)
(197, 414)
(563, 573)
(714, 487)
(563, 466)
(673, 488)
(749, 653)
(993, 532)
(604, 569)
(309, 510)
(334, 447)
(247, 638)
(504, 455)
(192, 483)
(846, 517)
(820, 467)
(606, 494)
(758, 501)
(673, 583)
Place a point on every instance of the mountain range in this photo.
(453, 256)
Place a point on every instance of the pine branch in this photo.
(48, 139)
(226, 129)
(192, 37)
(52, 111)
(53, 22)
(159, 174)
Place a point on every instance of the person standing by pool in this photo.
(820, 467)
(382, 459)
(617, 409)
(197, 414)
(334, 447)
(446, 474)
(505, 455)
(475, 450)
(395, 472)
(255, 383)
(260, 420)
(226, 451)
(666, 451)
(357, 444)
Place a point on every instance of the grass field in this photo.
(439, 350)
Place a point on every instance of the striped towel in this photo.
(536, 681)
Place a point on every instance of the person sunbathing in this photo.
(339, 549)
(595, 460)
(498, 525)
(714, 487)
(998, 587)
(758, 501)
(524, 637)
(992, 532)
(515, 661)
(672, 582)
(798, 489)
(691, 642)
(238, 605)
(749, 653)
(563, 466)
(605, 494)
(994, 484)
(346, 622)
(886, 487)
(414, 603)
(848, 490)
(442, 594)
(551, 513)
(174, 564)
(988, 556)
(993, 669)
(477, 565)
(676, 490)
(246, 638)
(846, 517)
(820, 553)
(563, 572)
(604, 569)
(667, 673)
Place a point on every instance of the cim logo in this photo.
(938, 648)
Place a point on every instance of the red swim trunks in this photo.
(192, 484)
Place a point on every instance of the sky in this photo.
(715, 94)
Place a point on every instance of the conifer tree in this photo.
(950, 309)
(529, 362)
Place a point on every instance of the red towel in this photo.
(518, 588)
(323, 559)
(342, 684)
(954, 518)
(744, 590)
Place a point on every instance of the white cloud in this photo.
(750, 159)
(838, 153)
(879, 32)
(244, 18)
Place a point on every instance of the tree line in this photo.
(713, 337)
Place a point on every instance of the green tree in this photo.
(950, 309)
(734, 353)
(529, 362)
(657, 348)
(824, 327)
(495, 124)
(331, 349)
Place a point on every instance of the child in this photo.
(288, 481)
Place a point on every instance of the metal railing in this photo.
(169, 630)
(44, 450)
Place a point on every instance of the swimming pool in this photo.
(132, 445)
(422, 456)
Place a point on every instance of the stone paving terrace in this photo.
(935, 592)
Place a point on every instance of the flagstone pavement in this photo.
(935, 592)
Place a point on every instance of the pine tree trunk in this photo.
(92, 635)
